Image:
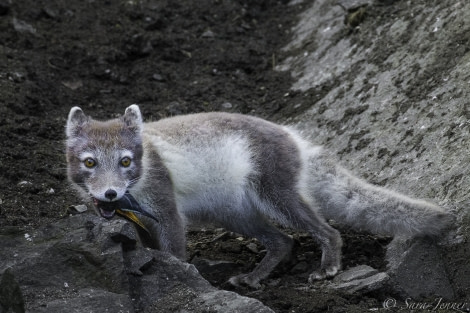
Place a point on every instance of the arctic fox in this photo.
(238, 172)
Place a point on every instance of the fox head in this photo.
(104, 159)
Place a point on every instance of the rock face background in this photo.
(382, 84)
(396, 109)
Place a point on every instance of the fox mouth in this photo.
(126, 206)
(106, 209)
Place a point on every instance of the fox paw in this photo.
(323, 274)
(245, 280)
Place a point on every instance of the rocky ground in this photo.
(176, 57)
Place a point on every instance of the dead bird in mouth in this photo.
(127, 207)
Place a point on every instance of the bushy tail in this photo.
(351, 201)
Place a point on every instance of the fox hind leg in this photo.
(298, 214)
(278, 245)
(330, 242)
(295, 213)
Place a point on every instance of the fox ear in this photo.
(133, 118)
(75, 121)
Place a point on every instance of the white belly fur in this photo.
(207, 173)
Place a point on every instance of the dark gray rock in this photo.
(84, 263)
(11, 297)
(212, 266)
(89, 300)
(418, 271)
(358, 272)
(23, 27)
(184, 300)
(353, 4)
(4, 7)
(361, 278)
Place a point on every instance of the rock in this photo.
(417, 270)
(353, 4)
(124, 233)
(50, 12)
(360, 279)
(358, 272)
(226, 105)
(394, 124)
(138, 260)
(79, 208)
(11, 298)
(73, 84)
(229, 246)
(252, 247)
(23, 27)
(212, 267)
(158, 77)
(86, 263)
(226, 301)
(89, 300)
(4, 7)
(185, 300)
(208, 34)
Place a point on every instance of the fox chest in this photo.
(207, 172)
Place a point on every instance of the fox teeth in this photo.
(105, 209)
(107, 214)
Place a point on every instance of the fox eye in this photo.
(89, 162)
(126, 161)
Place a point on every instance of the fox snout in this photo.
(105, 196)
(110, 194)
(107, 202)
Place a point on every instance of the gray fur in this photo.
(353, 202)
(239, 172)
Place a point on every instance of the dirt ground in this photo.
(170, 57)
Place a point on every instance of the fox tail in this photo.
(351, 201)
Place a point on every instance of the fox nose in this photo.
(110, 194)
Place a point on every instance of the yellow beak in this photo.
(132, 217)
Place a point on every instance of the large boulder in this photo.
(84, 263)
(389, 94)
